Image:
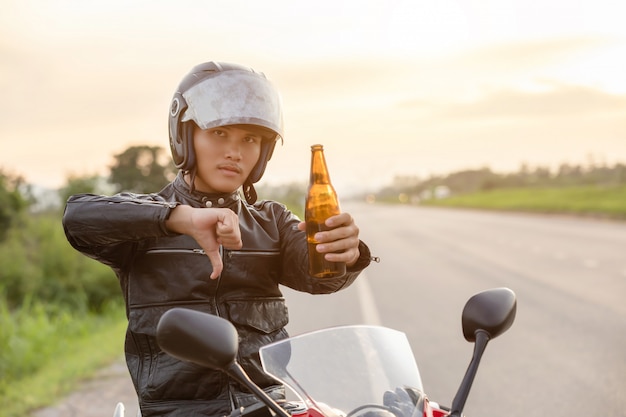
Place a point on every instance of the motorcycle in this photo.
(343, 371)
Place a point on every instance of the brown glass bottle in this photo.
(321, 203)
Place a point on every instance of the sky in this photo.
(389, 87)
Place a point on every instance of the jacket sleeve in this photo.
(294, 250)
(107, 228)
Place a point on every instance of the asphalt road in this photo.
(565, 355)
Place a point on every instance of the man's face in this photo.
(225, 156)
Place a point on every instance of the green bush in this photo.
(56, 307)
(38, 262)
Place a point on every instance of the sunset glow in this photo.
(394, 87)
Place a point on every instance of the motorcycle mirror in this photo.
(486, 315)
(207, 340)
(491, 311)
(198, 337)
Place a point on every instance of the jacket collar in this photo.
(205, 199)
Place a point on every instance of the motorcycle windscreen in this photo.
(344, 367)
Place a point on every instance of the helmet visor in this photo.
(234, 97)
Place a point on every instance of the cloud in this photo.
(559, 101)
(527, 55)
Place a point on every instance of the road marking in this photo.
(369, 312)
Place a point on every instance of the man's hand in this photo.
(341, 243)
(210, 227)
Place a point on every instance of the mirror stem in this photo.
(482, 337)
(235, 371)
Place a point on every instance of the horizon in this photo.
(587, 166)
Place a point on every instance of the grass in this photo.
(46, 355)
(607, 202)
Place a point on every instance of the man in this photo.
(196, 244)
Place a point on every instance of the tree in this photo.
(77, 185)
(12, 203)
(141, 169)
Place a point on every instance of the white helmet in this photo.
(220, 94)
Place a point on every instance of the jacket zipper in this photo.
(217, 286)
(255, 253)
(223, 253)
(180, 250)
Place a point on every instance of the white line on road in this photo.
(369, 312)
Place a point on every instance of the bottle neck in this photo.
(319, 171)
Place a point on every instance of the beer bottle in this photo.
(321, 203)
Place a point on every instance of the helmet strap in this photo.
(192, 178)
(249, 192)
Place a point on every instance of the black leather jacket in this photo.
(158, 270)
